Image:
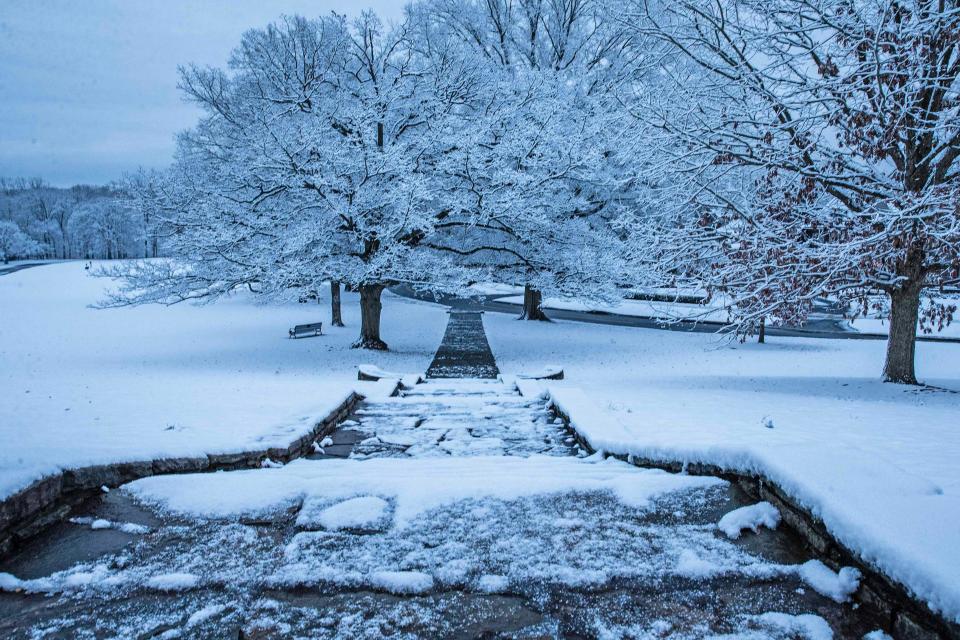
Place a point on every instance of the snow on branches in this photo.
(345, 151)
(817, 145)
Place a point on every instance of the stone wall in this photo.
(50, 499)
(906, 617)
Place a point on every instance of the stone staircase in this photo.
(451, 417)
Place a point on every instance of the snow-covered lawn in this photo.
(878, 462)
(86, 386)
(414, 521)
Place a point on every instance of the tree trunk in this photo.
(761, 338)
(370, 318)
(901, 345)
(336, 320)
(532, 305)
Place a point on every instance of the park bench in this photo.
(306, 330)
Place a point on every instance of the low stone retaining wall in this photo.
(906, 617)
(49, 500)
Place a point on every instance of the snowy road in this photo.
(6, 270)
(456, 509)
(823, 324)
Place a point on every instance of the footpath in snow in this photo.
(455, 509)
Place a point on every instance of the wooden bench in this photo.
(306, 330)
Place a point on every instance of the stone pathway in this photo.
(464, 351)
(454, 418)
(456, 509)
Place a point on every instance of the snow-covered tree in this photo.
(14, 243)
(43, 213)
(105, 228)
(535, 167)
(818, 148)
(312, 163)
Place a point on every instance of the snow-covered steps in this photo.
(440, 418)
(462, 387)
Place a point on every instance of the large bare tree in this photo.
(821, 141)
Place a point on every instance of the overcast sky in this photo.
(88, 87)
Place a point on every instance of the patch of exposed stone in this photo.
(49, 500)
(906, 617)
(464, 351)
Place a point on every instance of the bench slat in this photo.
(302, 330)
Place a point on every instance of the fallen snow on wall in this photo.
(836, 585)
(416, 485)
(807, 626)
(772, 625)
(754, 516)
(402, 582)
(82, 386)
(100, 523)
(173, 582)
(876, 462)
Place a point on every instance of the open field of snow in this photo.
(86, 386)
(876, 461)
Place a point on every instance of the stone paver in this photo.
(452, 417)
(464, 351)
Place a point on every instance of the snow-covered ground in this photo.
(876, 461)
(714, 311)
(878, 323)
(640, 308)
(85, 386)
(881, 326)
(587, 543)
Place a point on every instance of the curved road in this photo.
(6, 269)
(826, 325)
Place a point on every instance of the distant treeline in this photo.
(84, 221)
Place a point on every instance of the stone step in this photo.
(455, 418)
